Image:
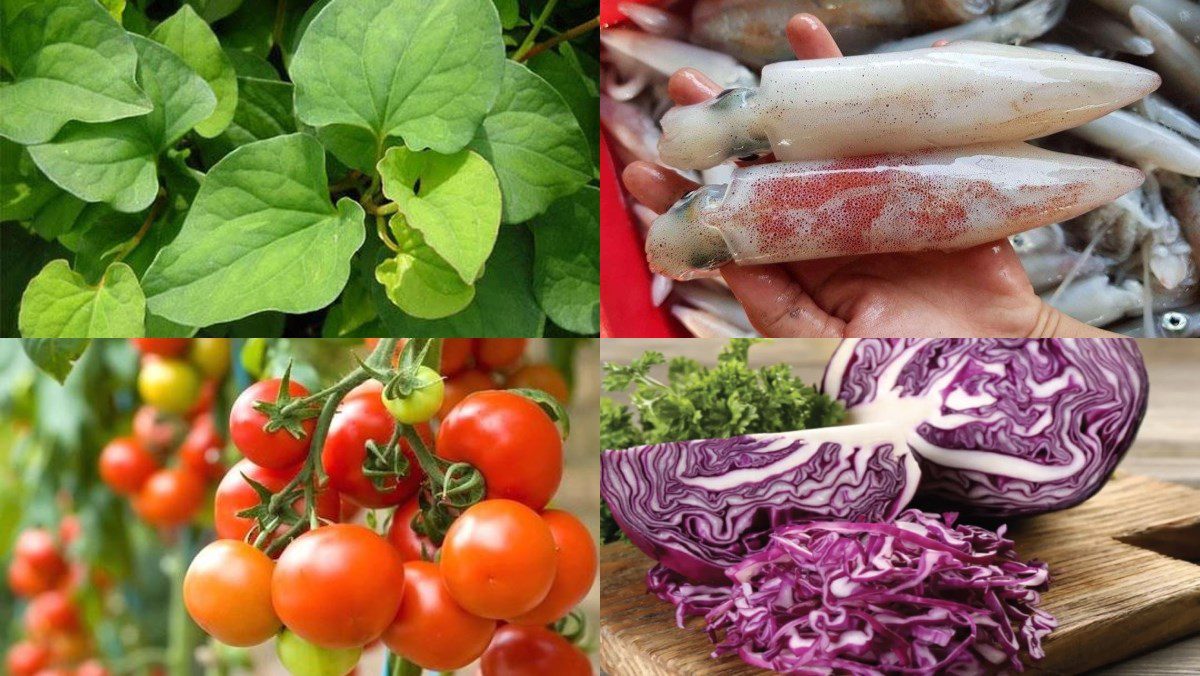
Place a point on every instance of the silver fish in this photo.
(1027, 22)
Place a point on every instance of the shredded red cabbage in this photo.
(915, 595)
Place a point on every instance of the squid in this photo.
(961, 94)
(645, 58)
(942, 199)
(1182, 322)
(1139, 140)
(1097, 301)
(1174, 56)
(1027, 22)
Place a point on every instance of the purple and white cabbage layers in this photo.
(701, 506)
(1000, 427)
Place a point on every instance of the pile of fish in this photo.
(943, 132)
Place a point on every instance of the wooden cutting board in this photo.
(1122, 584)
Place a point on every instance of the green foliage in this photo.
(325, 167)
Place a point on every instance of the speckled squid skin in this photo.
(931, 200)
(961, 94)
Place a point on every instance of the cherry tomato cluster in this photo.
(55, 641)
(450, 583)
(174, 452)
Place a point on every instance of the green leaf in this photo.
(264, 111)
(186, 34)
(115, 8)
(354, 147)
(250, 30)
(574, 81)
(55, 356)
(510, 12)
(58, 303)
(22, 256)
(261, 235)
(504, 304)
(116, 162)
(566, 269)
(251, 65)
(532, 139)
(71, 61)
(427, 71)
(453, 200)
(420, 282)
(212, 10)
(24, 190)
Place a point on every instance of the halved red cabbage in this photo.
(918, 595)
(700, 506)
(1000, 427)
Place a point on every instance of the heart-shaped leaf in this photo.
(58, 303)
(419, 281)
(186, 34)
(566, 269)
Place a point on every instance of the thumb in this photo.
(777, 305)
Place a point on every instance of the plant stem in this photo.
(538, 23)
(569, 34)
(155, 209)
(179, 641)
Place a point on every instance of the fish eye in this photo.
(1174, 321)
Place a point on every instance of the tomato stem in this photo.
(569, 34)
(538, 23)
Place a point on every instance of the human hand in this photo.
(981, 291)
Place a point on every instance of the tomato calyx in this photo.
(552, 406)
(287, 413)
(453, 487)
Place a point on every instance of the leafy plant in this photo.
(309, 167)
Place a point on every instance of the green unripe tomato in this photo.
(422, 403)
(170, 385)
(302, 658)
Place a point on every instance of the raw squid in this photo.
(1093, 25)
(1182, 196)
(753, 30)
(1157, 109)
(931, 200)
(1047, 270)
(1097, 301)
(642, 57)
(1174, 56)
(655, 20)
(1027, 22)
(960, 94)
(1139, 140)
(1183, 15)
(705, 325)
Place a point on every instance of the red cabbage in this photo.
(700, 506)
(917, 595)
(1000, 427)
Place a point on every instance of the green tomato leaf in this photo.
(212, 10)
(55, 356)
(452, 200)
(566, 268)
(58, 303)
(186, 34)
(250, 30)
(22, 256)
(24, 190)
(425, 71)
(510, 12)
(70, 61)
(504, 304)
(264, 111)
(252, 65)
(261, 235)
(116, 162)
(419, 281)
(115, 8)
(575, 81)
(354, 147)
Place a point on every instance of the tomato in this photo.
(456, 355)
(91, 668)
(51, 613)
(532, 651)
(412, 547)
(276, 449)
(458, 387)
(358, 421)
(431, 630)
(157, 431)
(575, 571)
(68, 648)
(171, 497)
(350, 510)
(422, 403)
(204, 401)
(370, 388)
(211, 356)
(227, 591)
(499, 353)
(235, 495)
(302, 658)
(542, 377)
(201, 449)
(27, 658)
(338, 586)
(498, 559)
(125, 465)
(168, 384)
(38, 547)
(27, 581)
(163, 347)
(69, 529)
(511, 440)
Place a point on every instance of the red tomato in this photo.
(27, 658)
(350, 511)
(49, 614)
(27, 581)
(431, 630)
(371, 388)
(456, 355)
(204, 400)
(163, 347)
(125, 465)
(458, 387)
(201, 449)
(69, 648)
(171, 497)
(532, 651)
(38, 547)
(157, 431)
(498, 559)
(575, 571)
(69, 529)
(357, 422)
(498, 354)
(274, 450)
(338, 586)
(542, 377)
(227, 591)
(91, 668)
(235, 495)
(511, 440)
(412, 547)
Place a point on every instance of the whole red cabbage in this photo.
(917, 595)
(700, 506)
(1000, 427)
